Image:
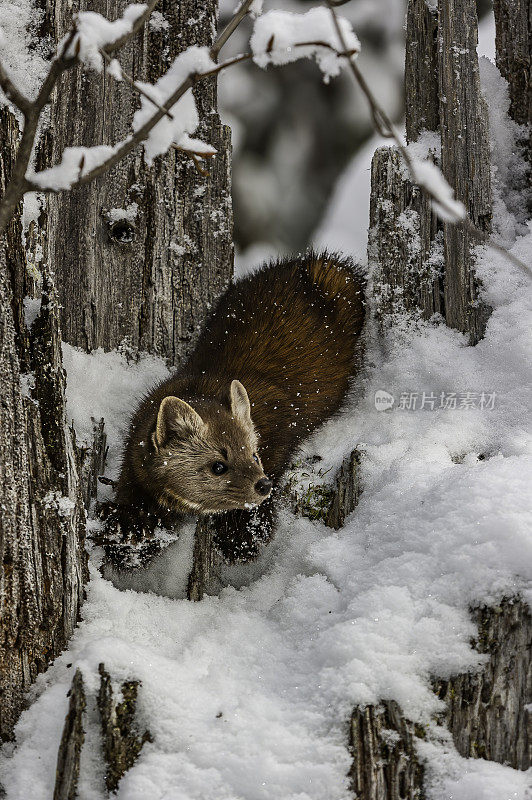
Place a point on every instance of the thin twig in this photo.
(230, 28)
(191, 152)
(18, 184)
(128, 79)
(197, 164)
(386, 128)
(12, 93)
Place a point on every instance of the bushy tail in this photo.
(334, 274)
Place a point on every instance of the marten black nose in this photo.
(263, 486)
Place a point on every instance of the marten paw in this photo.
(129, 535)
(239, 535)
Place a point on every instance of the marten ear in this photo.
(175, 417)
(240, 407)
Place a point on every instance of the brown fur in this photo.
(289, 334)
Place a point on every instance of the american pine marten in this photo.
(272, 363)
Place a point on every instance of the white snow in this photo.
(196, 146)
(31, 209)
(158, 22)
(21, 53)
(76, 162)
(93, 31)
(185, 115)
(280, 37)
(430, 177)
(32, 307)
(255, 8)
(107, 385)
(129, 213)
(115, 70)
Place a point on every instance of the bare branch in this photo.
(228, 31)
(386, 128)
(12, 93)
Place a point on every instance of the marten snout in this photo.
(263, 487)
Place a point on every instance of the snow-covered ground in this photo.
(247, 694)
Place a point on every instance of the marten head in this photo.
(204, 461)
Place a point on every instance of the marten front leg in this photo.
(240, 534)
(129, 534)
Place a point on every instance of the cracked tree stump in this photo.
(465, 161)
(385, 764)
(346, 492)
(488, 712)
(68, 757)
(43, 563)
(419, 263)
(403, 249)
(122, 742)
(142, 252)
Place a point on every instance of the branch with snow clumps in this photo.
(93, 39)
(424, 174)
(79, 46)
(281, 37)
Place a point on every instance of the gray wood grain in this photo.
(68, 757)
(465, 160)
(405, 256)
(42, 524)
(149, 279)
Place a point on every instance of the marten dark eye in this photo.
(219, 468)
(255, 458)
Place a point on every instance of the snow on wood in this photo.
(76, 162)
(279, 36)
(94, 31)
(429, 177)
(184, 114)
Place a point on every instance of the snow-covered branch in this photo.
(278, 38)
(281, 37)
(91, 40)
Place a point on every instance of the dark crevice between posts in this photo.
(513, 38)
(92, 461)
